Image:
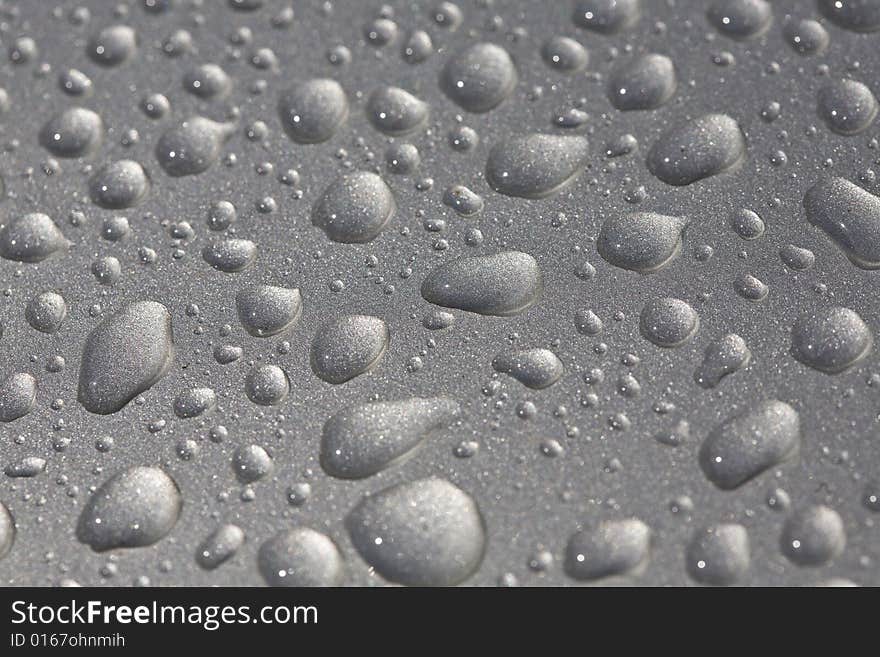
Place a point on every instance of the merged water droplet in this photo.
(192, 147)
(642, 241)
(266, 310)
(120, 184)
(534, 368)
(747, 444)
(701, 148)
(831, 340)
(502, 284)
(668, 322)
(30, 238)
(75, 132)
(847, 107)
(312, 111)
(17, 395)
(719, 555)
(850, 216)
(361, 440)
(300, 557)
(354, 208)
(614, 547)
(124, 356)
(536, 165)
(134, 508)
(479, 77)
(395, 111)
(422, 533)
(348, 347)
(813, 536)
(644, 83)
(723, 356)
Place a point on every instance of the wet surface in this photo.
(431, 293)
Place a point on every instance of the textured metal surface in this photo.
(608, 463)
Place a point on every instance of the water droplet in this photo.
(73, 133)
(643, 242)
(134, 508)
(614, 547)
(644, 83)
(192, 147)
(112, 46)
(479, 78)
(354, 208)
(747, 444)
(422, 533)
(722, 357)
(230, 255)
(313, 111)
(741, 19)
(606, 16)
(266, 385)
(719, 555)
(813, 536)
(300, 557)
(361, 440)
(46, 312)
(348, 347)
(564, 54)
(855, 15)
(536, 165)
(847, 107)
(266, 310)
(850, 216)
(124, 356)
(30, 238)
(668, 322)
(534, 368)
(504, 284)
(698, 149)
(120, 184)
(395, 111)
(194, 402)
(17, 395)
(830, 340)
(220, 546)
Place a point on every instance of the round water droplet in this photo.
(266, 310)
(230, 256)
(479, 78)
(564, 54)
(719, 555)
(606, 16)
(644, 241)
(73, 133)
(668, 322)
(46, 312)
(423, 533)
(831, 340)
(207, 81)
(847, 107)
(313, 111)
(855, 15)
(722, 357)
(300, 557)
(348, 347)
(112, 45)
(195, 402)
(7, 530)
(17, 395)
(30, 238)
(266, 385)
(191, 147)
(813, 536)
(741, 19)
(396, 112)
(644, 83)
(354, 208)
(134, 508)
(120, 184)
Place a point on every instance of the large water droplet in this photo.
(831, 340)
(354, 208)
(192, 147)
(125, 355)
(348, 347)
(312, 111)
(698, 149)
(73, 133)
(643, 241)
(265, 310)
(536, 165)
(479, 78)
(30, 238)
